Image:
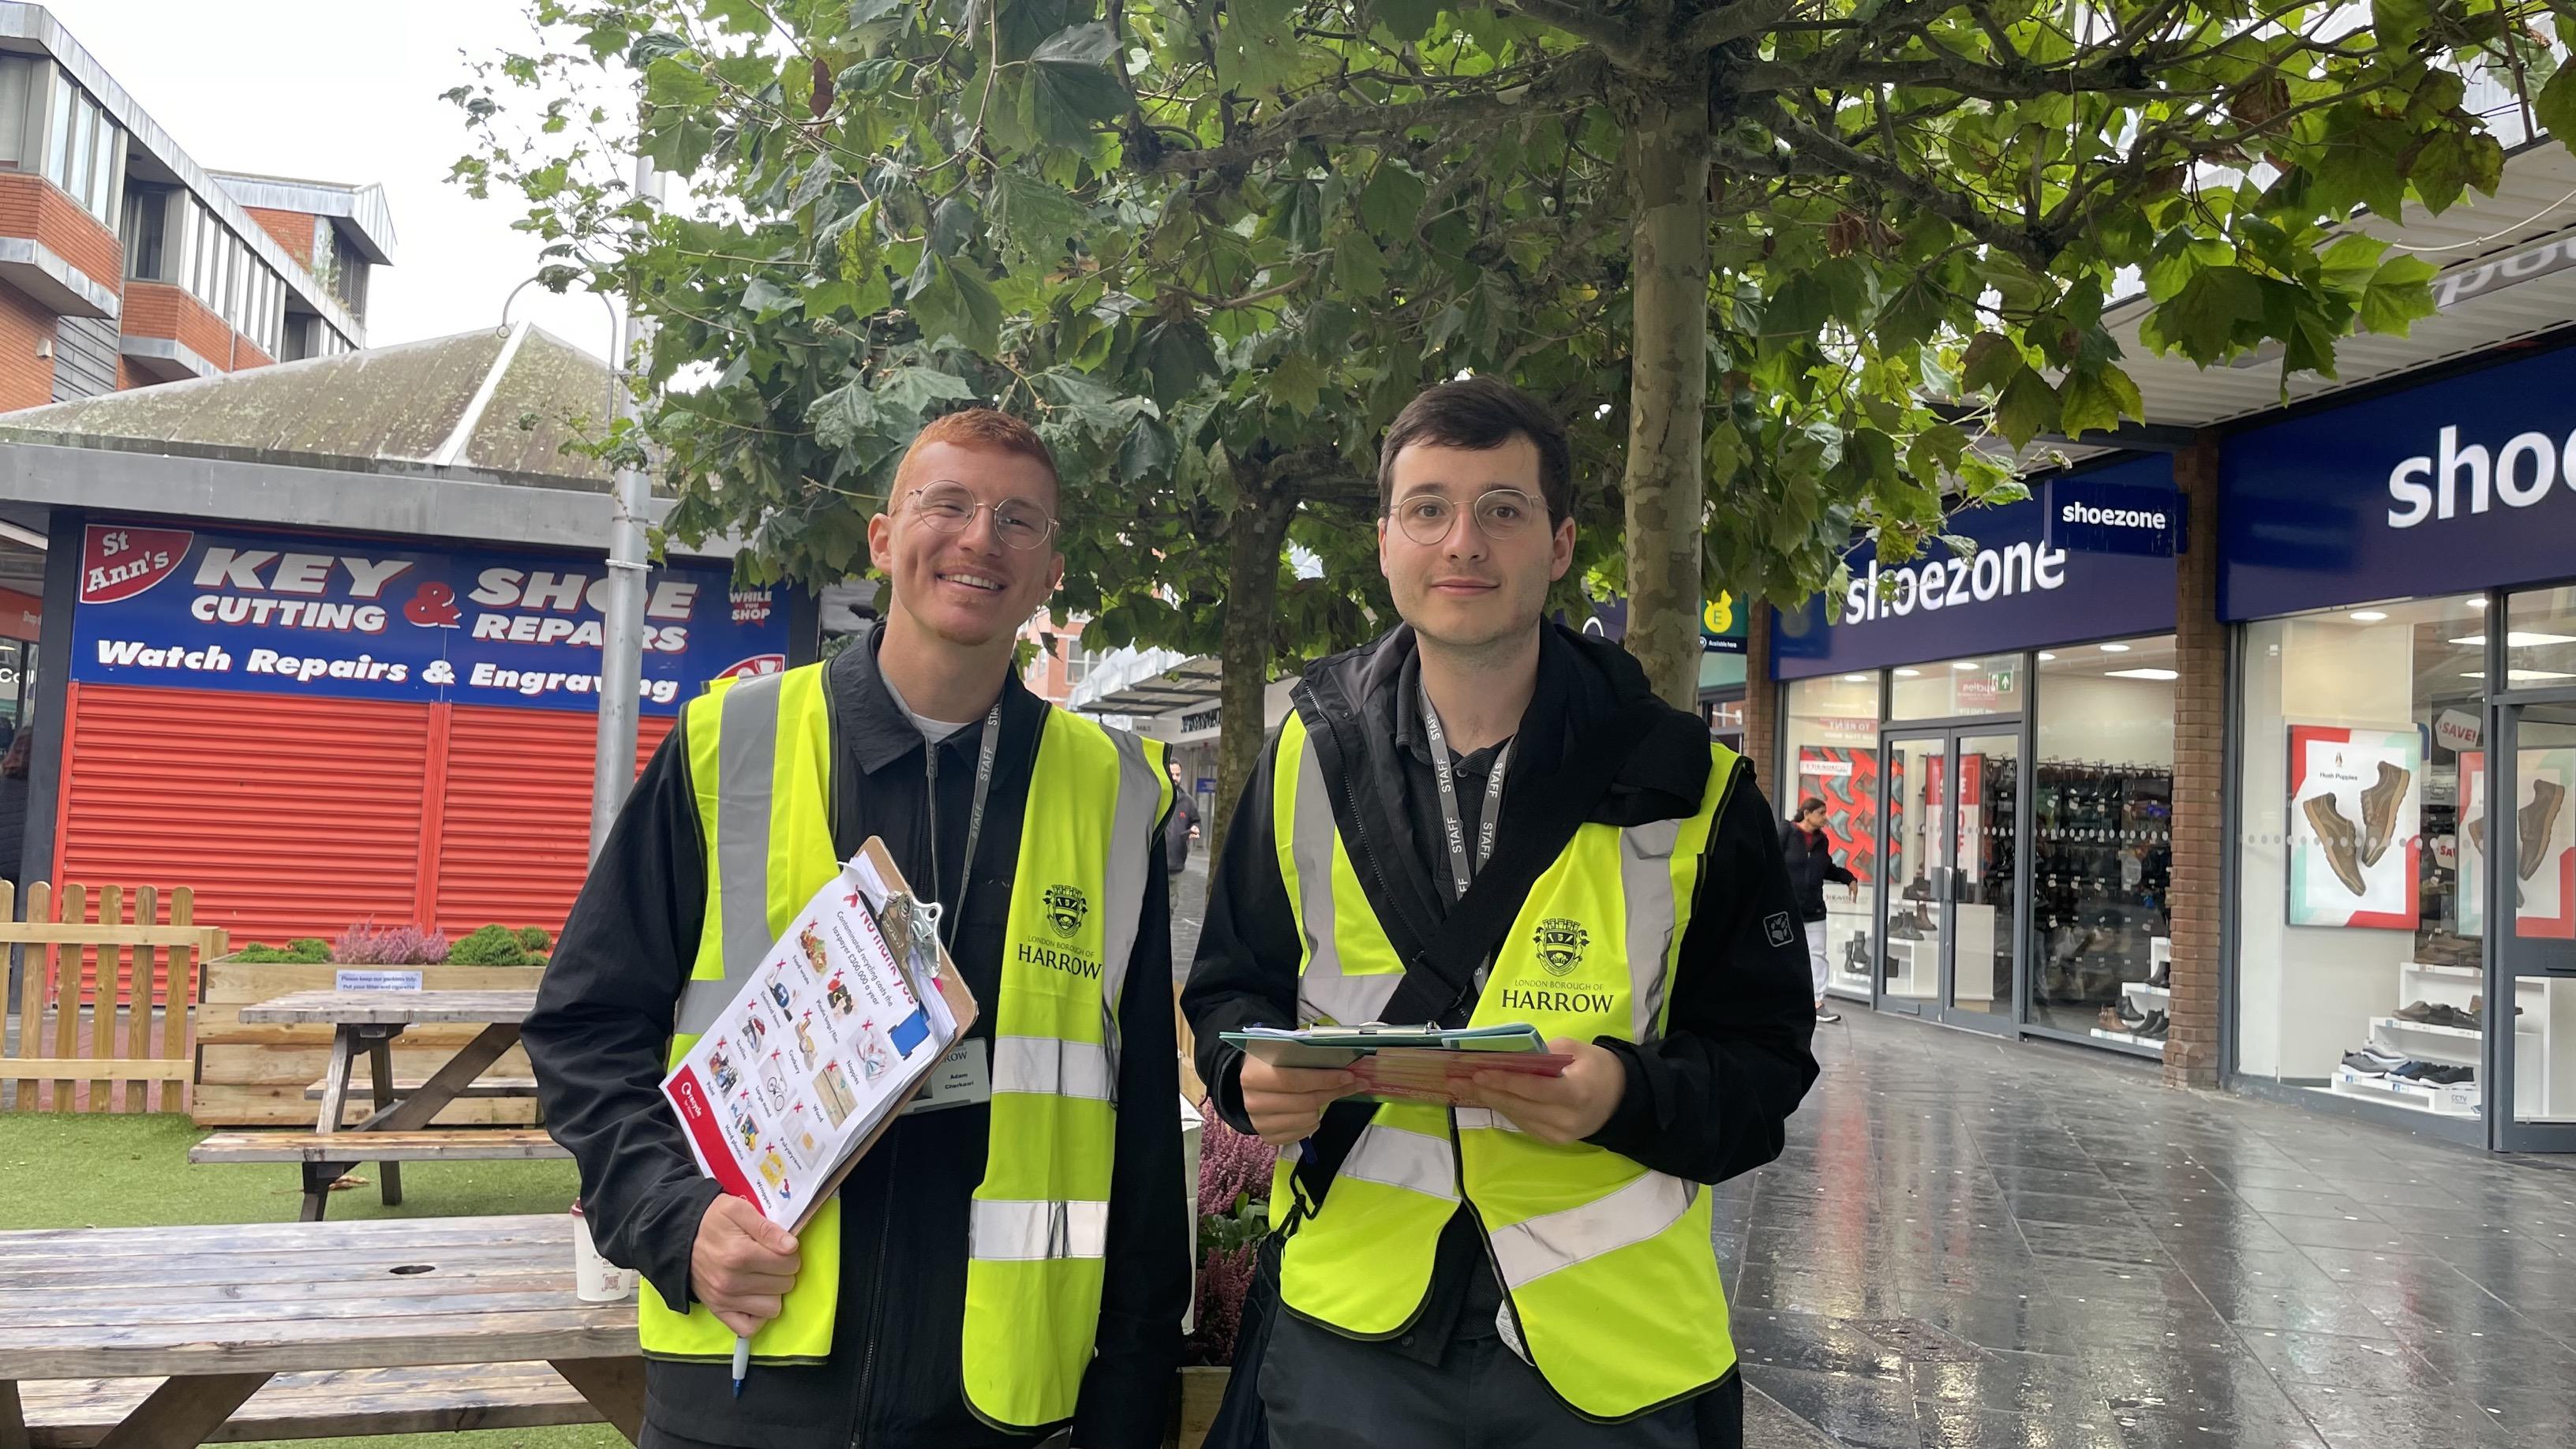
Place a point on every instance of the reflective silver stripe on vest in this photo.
(1414, 1161)
(1472, 1119)
(1646, 880)
(1131, 838)
(746, 770)
(1008, 1231)
(1323, 992)
(1528, 1251)
(1044, 1065)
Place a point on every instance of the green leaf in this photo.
(1295, 382)
(2556, 105)
(1990, 361)
(953, 225)
(1391, 204)
(1147, 450)
(765, 299)
(1036, 218)
(673, 82)
(2398, 23)
(2397, 294)
(2095, 401)
(1359, 268)
(1405, 19)
(2028, 404)
(957, 306)
(1256, 49)
(917, 390)
(2204, 318)
(841, 415)
(1070, 87)
(1797, 309)
(1176, 353)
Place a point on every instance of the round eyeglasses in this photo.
(950, 507)
(1503, 513)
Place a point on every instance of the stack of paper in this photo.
(822, 1047)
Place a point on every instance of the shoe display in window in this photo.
(2379, 811)
(2538, 820)
(2341, 842)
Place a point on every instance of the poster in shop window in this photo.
(2544, 826)
(2356, 845)
(307, 615)
(1847, 781)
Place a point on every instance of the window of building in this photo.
(2362, 727)
(22, 109)
(2102, 838)
(1077, 662)
(2540, 639)
(1990, 684)
(1831, 753)
(147, 234)
(84, 150)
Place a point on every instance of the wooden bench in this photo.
(410, 1087)
(440, 1144)
(79, 1413)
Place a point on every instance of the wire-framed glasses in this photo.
(950, 507)
(1502, 513)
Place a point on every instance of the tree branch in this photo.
(1741, 20)
(1345, 120)
(1623, 44)
(1813, 153)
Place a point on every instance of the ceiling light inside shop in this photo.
(1967, 664)
(2367, 616)
(1909, 674)
(2140, 674)
(2519, 639)
(1855, 679)
(2115, 648)
(2521, 676)
(2475, 603)
(2045, 656)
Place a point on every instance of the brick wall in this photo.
(2200, 766)
(26, 379)
(292, 230)
(31, 206)
(1761, 699)
(158, 309)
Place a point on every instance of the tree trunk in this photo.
(1667, 161)
(1258, 539)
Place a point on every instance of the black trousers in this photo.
(1325, 1391)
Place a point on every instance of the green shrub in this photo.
(302, 951)
(535, 939)
(490, 946)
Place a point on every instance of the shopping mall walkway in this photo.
(1970, 1243)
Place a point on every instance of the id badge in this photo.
(963, 1078)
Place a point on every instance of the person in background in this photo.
(1183, 827)
(1811, 864)
(14, 766)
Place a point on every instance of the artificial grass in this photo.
(91, 1170)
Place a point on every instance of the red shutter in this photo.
(290, 817)
(514, 841)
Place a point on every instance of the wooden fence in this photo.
(103, 1019)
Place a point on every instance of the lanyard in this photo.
(1461, 871)
(992, 743)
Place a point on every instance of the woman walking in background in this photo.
(1811, 864)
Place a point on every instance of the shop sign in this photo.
(1721, 624)
(356, 619)
(2017, 591)
(2456, 730)
(2087, 515)
(2455, 486)
(22, 616)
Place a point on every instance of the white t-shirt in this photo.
(932, 730)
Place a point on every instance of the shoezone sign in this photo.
(358, 619)
(2356, 847)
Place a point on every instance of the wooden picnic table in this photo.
(214, 1311)
(366, 1023)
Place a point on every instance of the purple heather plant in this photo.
(368, 944)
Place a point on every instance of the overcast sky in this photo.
(345, 90)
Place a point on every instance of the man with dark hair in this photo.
(1810, 853)
(1012, 1258)
(1485, 819)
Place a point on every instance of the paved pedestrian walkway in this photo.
(1970, 1243)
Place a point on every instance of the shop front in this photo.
(1993, 738)
(2402, 571)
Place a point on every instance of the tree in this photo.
(1782, 262)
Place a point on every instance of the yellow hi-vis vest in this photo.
(1611, 1282)
(761, 760)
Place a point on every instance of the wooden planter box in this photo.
(255, 1075)
(1202, 1389)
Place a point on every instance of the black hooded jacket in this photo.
(603, 1024)
(1707, 1101)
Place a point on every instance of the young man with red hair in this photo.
(1013, 1257)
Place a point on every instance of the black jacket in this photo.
(1811, 864)
(1708, 1101)
(601, 1031)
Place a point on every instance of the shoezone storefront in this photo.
(2398, 571)
(1993, 738)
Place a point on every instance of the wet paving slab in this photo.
(1969, 1243)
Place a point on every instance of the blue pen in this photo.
(741, 1362)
